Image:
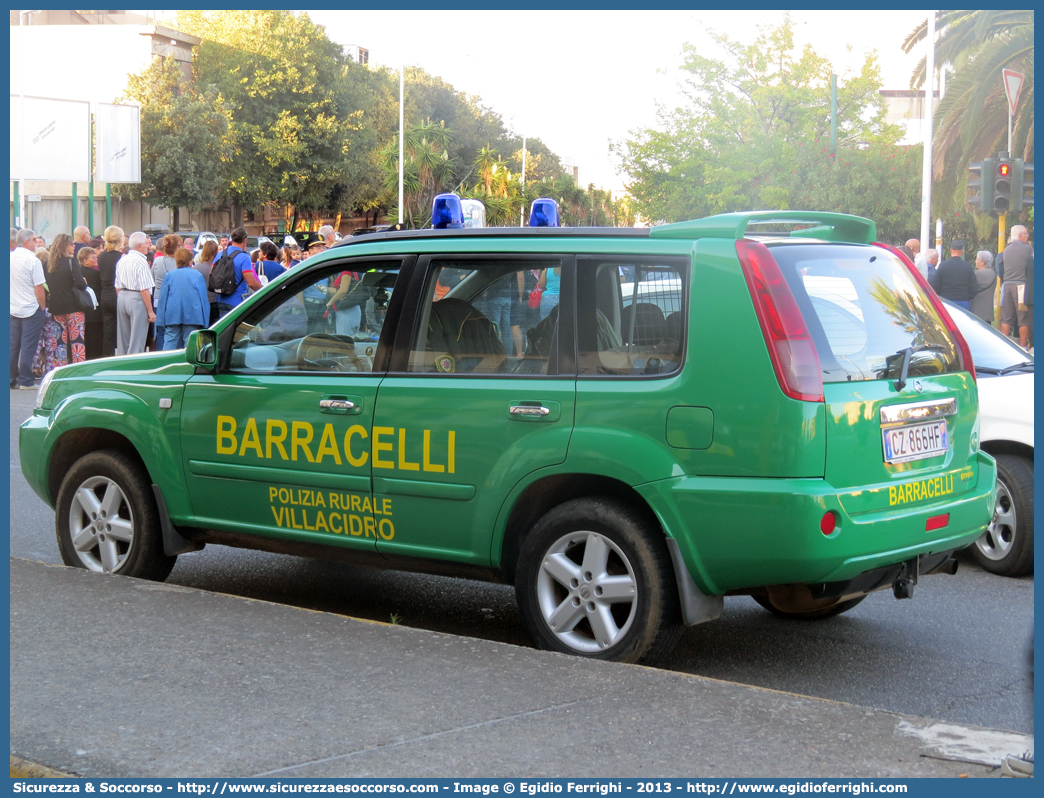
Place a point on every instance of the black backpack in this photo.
(223, 277)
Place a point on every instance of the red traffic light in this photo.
(1004, 170)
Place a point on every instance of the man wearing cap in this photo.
(1016, 273)
(955, 278)
(315, 295)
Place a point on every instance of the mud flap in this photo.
(173, 542)
(696, 606)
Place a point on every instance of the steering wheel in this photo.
(314, 349)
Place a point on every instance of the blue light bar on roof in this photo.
(446, 212)
(544, 213)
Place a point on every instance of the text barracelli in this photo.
(387, 447)
(916, 491)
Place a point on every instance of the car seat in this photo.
(460, 339)
(650, 327)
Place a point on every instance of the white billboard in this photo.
(52, 142)
(117, 143)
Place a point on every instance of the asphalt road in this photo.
(957, 651)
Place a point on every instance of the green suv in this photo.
(682, 413)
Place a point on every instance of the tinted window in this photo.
(863, 309)
(629, 318)
(483, 317)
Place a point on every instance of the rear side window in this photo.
(486, 316)
(630, 317)
(864, 310)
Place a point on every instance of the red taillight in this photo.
(793, 354)
(963, 351)
(937, 522)
(828, 523)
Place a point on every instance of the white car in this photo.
(1005, 381)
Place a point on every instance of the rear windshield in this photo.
(864, 309)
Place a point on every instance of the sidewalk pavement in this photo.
(118, 677)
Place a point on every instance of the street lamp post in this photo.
(522, 208)
(929, 103)
(402, 133)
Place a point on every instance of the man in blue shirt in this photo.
(246, 279)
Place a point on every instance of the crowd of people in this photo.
(118, 294)
(82, 298)
(973, 284)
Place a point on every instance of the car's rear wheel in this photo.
(594, 579)
(809, 615)
(106, 518)
(1006, 547)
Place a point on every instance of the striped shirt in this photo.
(133, 273)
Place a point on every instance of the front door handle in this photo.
(336, 404)
(347, 405)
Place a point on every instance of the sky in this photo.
(578, 79)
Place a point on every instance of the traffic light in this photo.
(1002, 182)
(1022, 186)
(981, 180)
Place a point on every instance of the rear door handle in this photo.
(529, 410)
(534, 410)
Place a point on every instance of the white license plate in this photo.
(915, 442)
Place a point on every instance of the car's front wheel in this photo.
(594, 579)
(1006, 547)
(106, 518)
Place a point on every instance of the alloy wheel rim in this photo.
(101, 524)
(587, 592)
(996, 542)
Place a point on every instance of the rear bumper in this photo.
(736, 534)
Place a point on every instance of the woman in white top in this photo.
(134, 286)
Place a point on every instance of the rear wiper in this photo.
(1017, 367)
(906, 354)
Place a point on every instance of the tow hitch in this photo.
(906, 581)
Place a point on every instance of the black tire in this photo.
(1006, 547)
(623, 553)
(116, 531)
(809, 615)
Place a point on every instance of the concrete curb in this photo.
(24, 769)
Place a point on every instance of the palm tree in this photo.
(426, 169)
(971, 121)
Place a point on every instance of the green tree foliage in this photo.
(879, 181)
(735, 142)
(184, 139)
(309, 130)
(971, 121)
(300, 130)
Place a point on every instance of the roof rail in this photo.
(496, 232)
(840, 227)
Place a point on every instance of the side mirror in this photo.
(201, 349)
